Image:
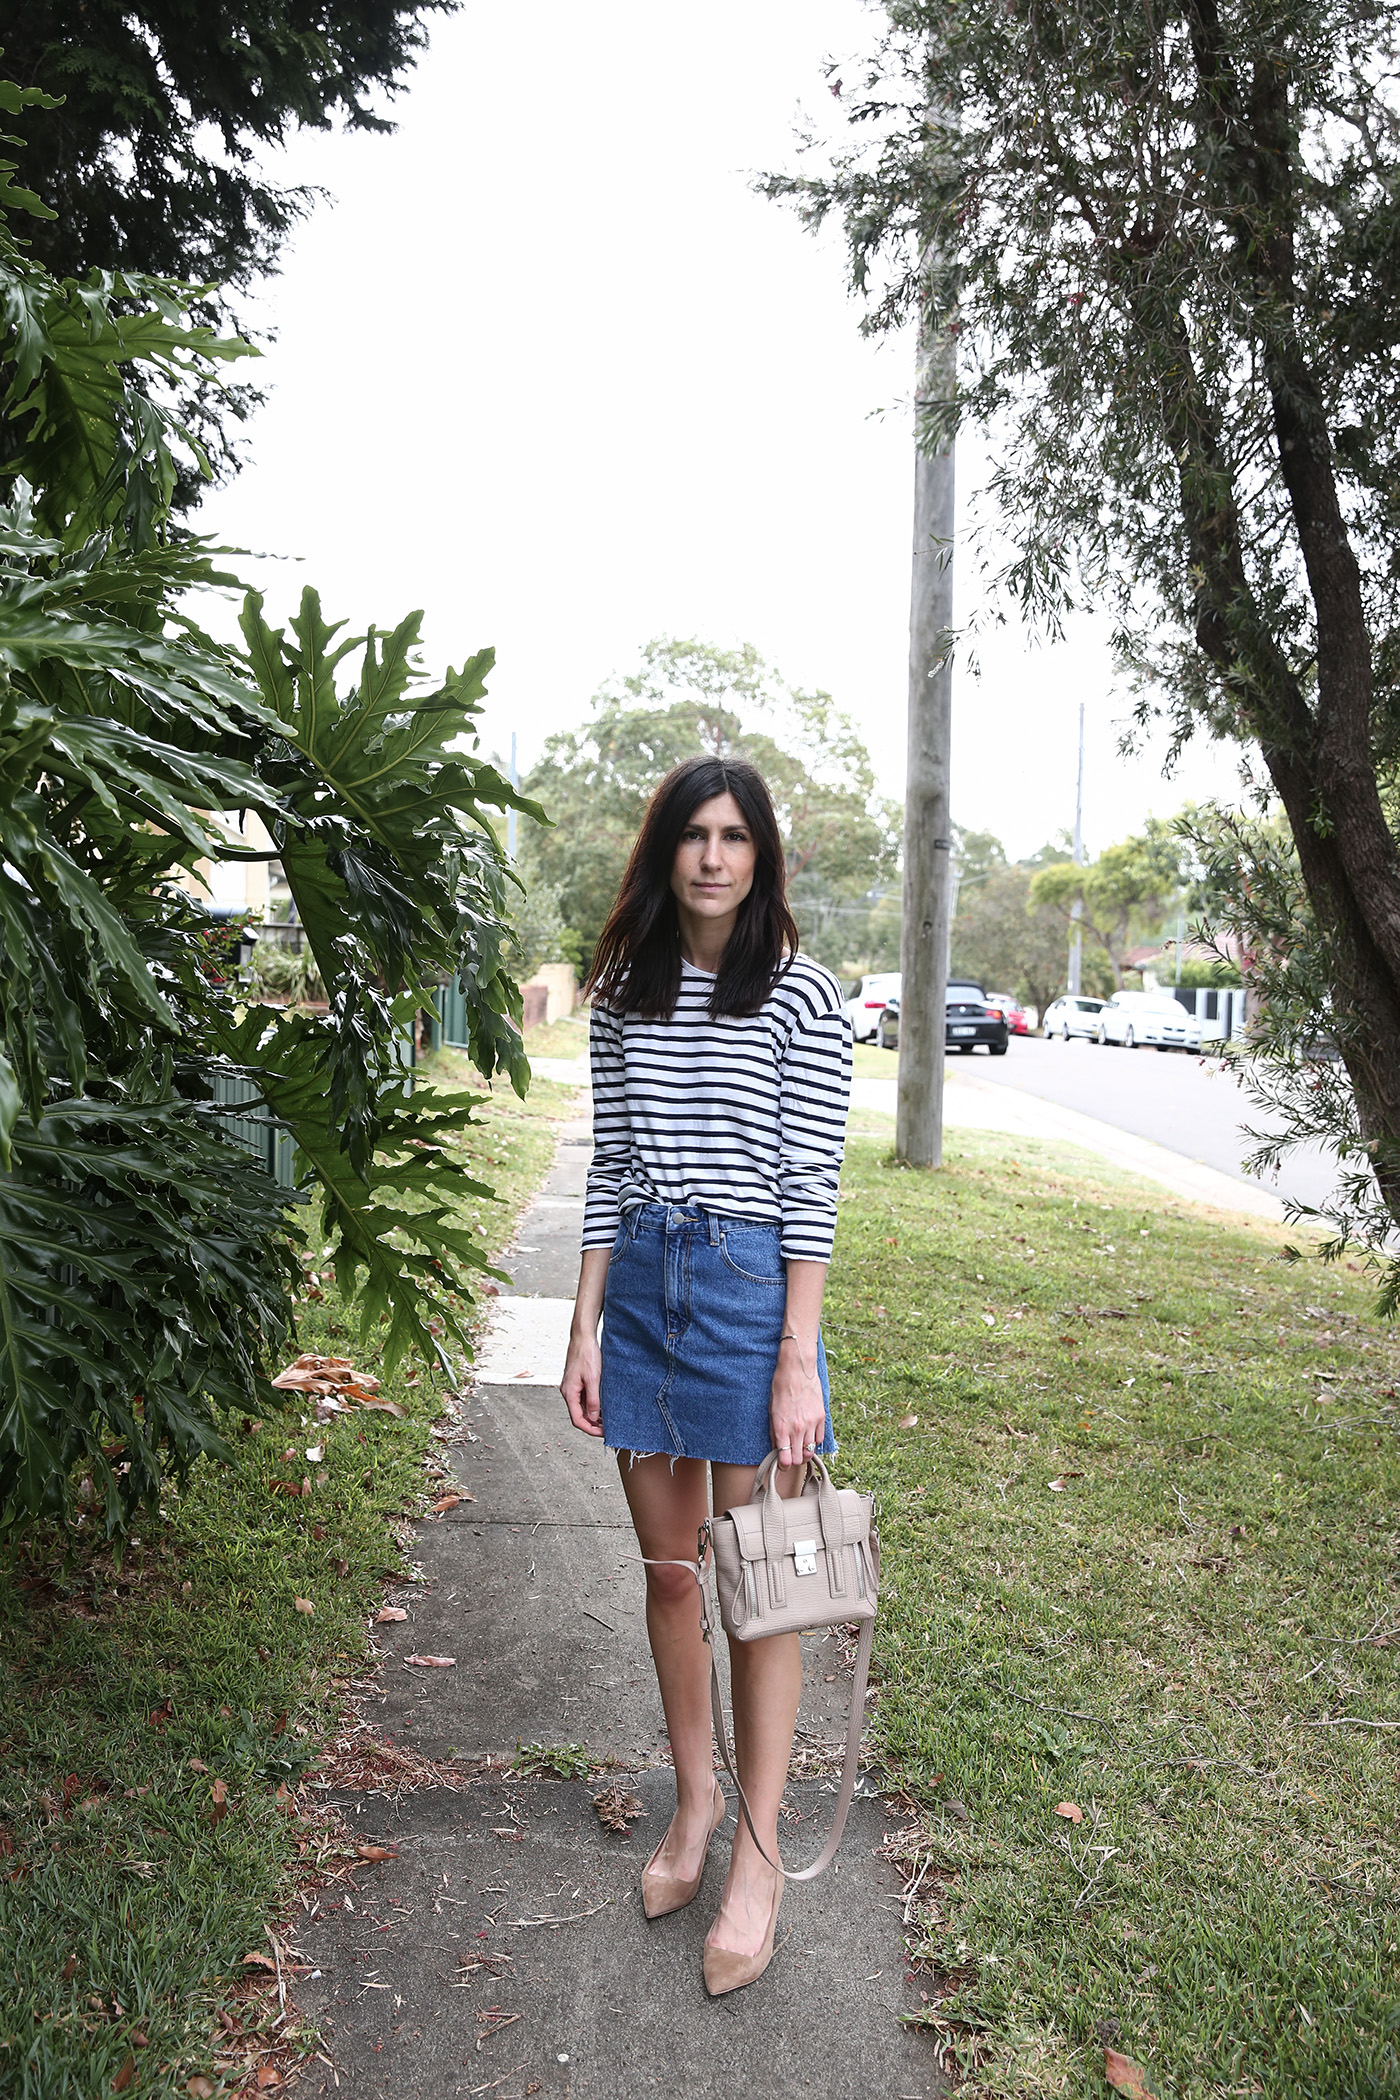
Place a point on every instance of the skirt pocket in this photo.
(754, 1252)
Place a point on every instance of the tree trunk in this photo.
(923, 954)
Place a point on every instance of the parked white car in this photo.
(868, 1000)
(1069, 1016)
(1136, 1019)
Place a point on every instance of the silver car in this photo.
(1069, 1016)
(1136, 1019)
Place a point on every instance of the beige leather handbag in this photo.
(790, 1565)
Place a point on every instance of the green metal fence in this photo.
(259, 1134)
(449, 1025)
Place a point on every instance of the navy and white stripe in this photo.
(744, 1116)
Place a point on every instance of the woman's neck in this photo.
(703, 940)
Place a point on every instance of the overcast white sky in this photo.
(548, 369)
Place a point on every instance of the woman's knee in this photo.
(671, 1587)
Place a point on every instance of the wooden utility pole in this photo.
(1076, 912)
(923, 947)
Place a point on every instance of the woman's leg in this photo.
(668, 1505)
(766, 1682)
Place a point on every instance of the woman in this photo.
(721, 1071)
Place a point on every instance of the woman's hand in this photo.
(797, 1413)
(581, 1384)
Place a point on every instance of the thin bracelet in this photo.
(808, 1377)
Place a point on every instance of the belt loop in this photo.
(713, 1223)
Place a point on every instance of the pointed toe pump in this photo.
(662, 1893)
(725, 1971)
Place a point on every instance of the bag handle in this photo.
(853, 1724)
(830, 1513)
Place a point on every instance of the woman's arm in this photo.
(583, 1364)
(612, 1130)
(797, 1411)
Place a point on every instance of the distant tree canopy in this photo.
(1125, 892)
(1000, 938)
(841, 838)
(150, 164)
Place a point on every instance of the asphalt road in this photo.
(1175, 1100)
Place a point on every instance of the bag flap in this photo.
(801, 1519)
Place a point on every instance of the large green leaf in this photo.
(144, 1254)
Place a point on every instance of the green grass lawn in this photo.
(132, 1694)
(869, 1061)
(1140, 1559)
(565, 1038)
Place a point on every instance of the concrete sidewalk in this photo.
(505, 1951)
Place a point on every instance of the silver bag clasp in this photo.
(804, 1554)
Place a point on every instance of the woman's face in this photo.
(713, 869)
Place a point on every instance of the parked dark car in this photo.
(971, 1019)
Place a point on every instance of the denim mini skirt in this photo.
(692, 1317)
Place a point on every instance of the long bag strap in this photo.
(848, 1772)
(853, 1727)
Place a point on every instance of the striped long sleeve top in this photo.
(744, 1116)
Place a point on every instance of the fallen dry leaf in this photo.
(218, 1795)
(616, 1809)
(989, 1319)
(199, 2088)
(1125, 2076)
(1070, 1810)
(256, 1959)
(305, 1606)
(386, 1407)
(390, 1615)
(197, 1764)
(308, 1372)
(375, 1852)
(315, 1453)
(433, 1662)
(446, 1502)
(68, 1968)
(125, 2075)
(908, 1421)
(1056, 1486)
(268, 2074)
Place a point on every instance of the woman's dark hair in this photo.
(636, 965)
